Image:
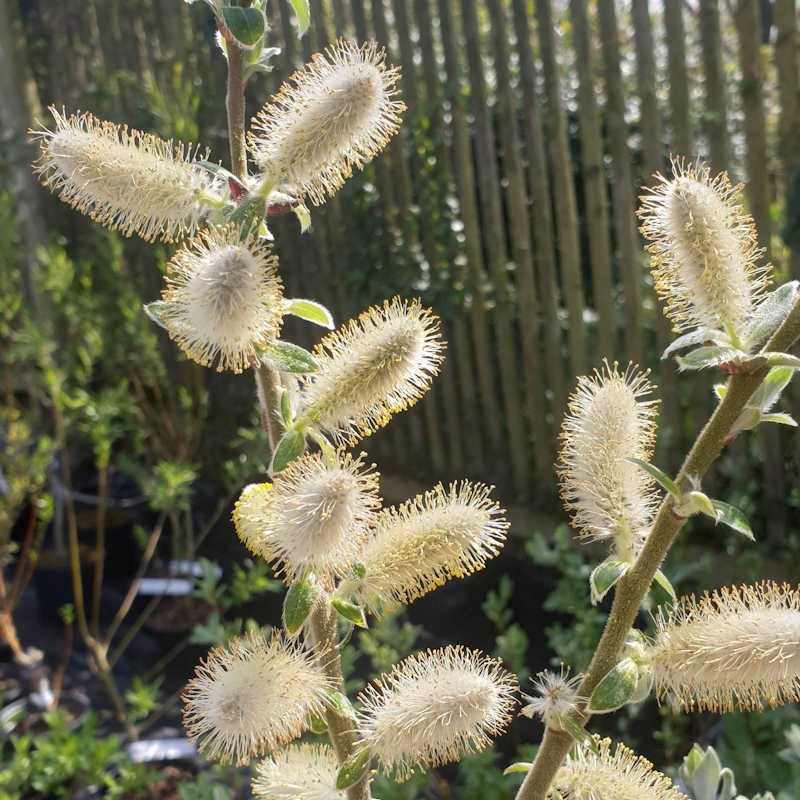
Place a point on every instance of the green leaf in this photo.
(157, 311)
(286, 408)
(780, 418)
(770, 313)
(318, 725)
(644, 683)
(291, 446)
(339, 703)
(782, 360)
(350, 611)
(311, 312)
(700, 501)
(771, 388)
(288, 357)
(574, 729)
(303, 216)
(353, 769)
(664, 582)
(733, 518)
(707, 357)
(303, 14)
(247, 25)
(604, 576)
(720, 390)
(517, 767)
(297, 605)
(661, 478)
(616, 687)
(694, 338)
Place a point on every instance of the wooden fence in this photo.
(507, 202)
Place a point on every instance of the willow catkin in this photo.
(335, 113)
(704, 250)
(434, 707)
(124, 179)
(251, 695)
(371, 368)
(609, 418)
(223, 301)
(315, 517)
(732, 648)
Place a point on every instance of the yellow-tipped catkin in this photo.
(435, 707)
(595, 773)
(337, 112)
(124, 179)
(371, 368)
(417, 546)
(704, 250)
(609, 419)
(315, 517)
(223, 299)
(298, 772)
(733, 648)
(252, 695)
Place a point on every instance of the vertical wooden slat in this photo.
(460, 399)
(715, 96)
(528, 311)
(566, 213)
(594, 183)
(675, 37)
(495, 243)
(462, 162)
(628, 252)
(541, 212)
(652, 162)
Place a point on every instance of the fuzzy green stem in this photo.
(341, 728)
(268, 389)
(633, 586)
(234, 104)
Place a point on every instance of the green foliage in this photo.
(61, 762)
(573, 641)
(511, 643)
(143, 698)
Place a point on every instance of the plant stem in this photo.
(268, 389)
(234, 104)
(341, 727)
(100, 545)
(633, 586)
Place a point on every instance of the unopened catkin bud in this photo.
(252, 695)
(609, 419)
(335, 113)
(298, 772)
(124, 179)
(434, 707)
(733, 648)
(704, 251)
(223, 300)
(315, 517)
(371, 368)
(417, 546)
(595, 773)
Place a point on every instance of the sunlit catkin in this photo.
(704, 251)
(334, 114)
(298, 772)
(417, 546)
(595, 773)
(124, 179)
(252, 695)
(315, 517)
(609, 419)
(371, 368)
(733, 648)
(223, 298)
(434, 707)
(556, 698)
